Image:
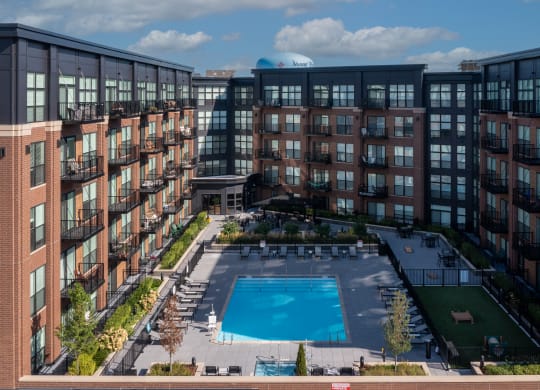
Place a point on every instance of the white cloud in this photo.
(169, 41)
(234, 36)
(328, 37)
(439, 61)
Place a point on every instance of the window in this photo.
(525, 90)
(441, 187)
(292, 123)
(524, 134)
(441, 215)
(271, 175)
(401, 95)
(37, 163)
(37, 226)
(343, 95)
(376, 125)
(477, 93)
(321, 94)
(461, 218)
(440, 95)
(89, 204)
(460, 156)
(243, 167)
(35, 97)
(460, 187)
(167, 91)
(441, 156)
(460, 125)
(37, 290)
(292, 149)
(344, 206)
(345, 152)
(210, 94)
(243, 145)
(37, 350)
(243, 120)
(213, 144)
(461, 95)
(403, 213)
(212, 120)
(320, 176)
(243, 96)
(271, 95)
(345, 180)
(376, 210)
(124, 91)
(492, 90)
(87, 90)
(403, 185)
(90, 253)
(291, 95)
(292, 175)
(212, 168)
(271, 123)
(440, 125)
(376, 96)
(403, 126)
(344, 124)
(403, 156)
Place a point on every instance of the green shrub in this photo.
(512, 369)
(301, 367)
(403, 369)
(503, 281)
(178, 369)
(474, 255)
(120, 317)
(179, 247)
(100, 356)
(83, 365)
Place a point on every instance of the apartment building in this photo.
(97, 154)
(510, 161)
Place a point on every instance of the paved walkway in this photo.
(363, 311)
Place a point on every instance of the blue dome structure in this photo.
(284, 60)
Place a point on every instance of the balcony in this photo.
(373, 191)
(171, 138)
(495, 105)
(269, 101)
(404, 131)
(152, 145)
(152, 222)
(321, 102)
(318, 130)
(151, 107)
(169, 105)
(172, 171)
(320, 186)
(174, 204)
(526, 154)
(123, 247)
(317, 157)
(526, 198)
(495, 145)
(272, 181)
(187, 192)
(375, 103)
(188, 133)
(188, 102)
(152, 183)
(188, 162)
(494, 222)
(270, 128)
(123, 155)
(494, 183)
(74, 113)
(374, 132)
(82, 169)
(123, 109)
(89, 275)
(265, 154)
(121, 204)
(526, 107)
(88, 223)
(526, 245)
(373, 162)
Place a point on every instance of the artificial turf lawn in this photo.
(489, 318)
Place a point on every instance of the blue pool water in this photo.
(271, 309)
(273, 368)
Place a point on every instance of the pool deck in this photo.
(363, 309)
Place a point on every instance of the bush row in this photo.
(512, 369)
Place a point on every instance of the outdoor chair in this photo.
(235, 370)
(335, 252)
(346, 371)
(352, 252)
(196, 283)
(210, 370)
(318, 252)
(283, 251)
(300, 251)
(265, 252)
(317, 371)
(245, 252)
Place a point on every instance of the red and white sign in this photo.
(341, 386)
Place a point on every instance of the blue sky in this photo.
(234, 34)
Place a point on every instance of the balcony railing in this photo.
(124, 246)
(494, 221)
(151, 222)
(80, 112)
(188, 133)
(187, 192)
(321, 102)
(317, 157)
(494, 183)
(89, 275)
(88, 223)
(272, 181)
(324, 186)
(174, 204)
(376, 103)
(152, 183)
(127, 201)
(188, 162)
(172, 171)
(169, 105)
(124, 155)
(152, 145)
(265, 154)
(189, 102)
(374, 132)
(495, 105)
(403, 131)
(526, 154)
(151, 107)
(270, 102)
(270, 128)
(495, 145)
(243, 101)
(526, 245)
(526, 107)
(82, 169)
(171, 137)
(373, 191)
(527, 199)
(123, 109)
(318, 130)
(373, 162)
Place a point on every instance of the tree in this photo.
(291, 229)
(301, 367)
(323, 230)
(77, 331)
(396, 327)
(263, 228)
(170, 332)
(230, 228)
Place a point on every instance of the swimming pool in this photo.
(283, 309)
(274, 368)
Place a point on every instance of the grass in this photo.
(489, 319)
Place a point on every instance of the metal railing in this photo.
(88, 223)
(126, 201)
(77, 112)
(81, 169)
(124, 155)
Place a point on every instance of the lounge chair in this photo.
(188, 290)
(235, 370)
(422, 328)
(300, 251)
(210, 370)
(335, 252)
(416, 318)
(196, 283)
(245, 252)
(348, 371)
(317, 371)
(265, 252)
(283, 251)
(352, 252)
(189, 298)
(318, 252)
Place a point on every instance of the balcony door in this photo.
(66, 94)
(67, 153)
(67, 268)
(68, 211)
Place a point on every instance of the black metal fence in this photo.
(125, 365)
(445, 276)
